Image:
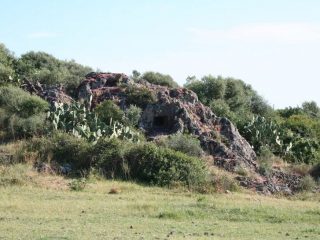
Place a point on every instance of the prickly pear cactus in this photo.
(77, 119)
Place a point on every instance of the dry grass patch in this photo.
(25, 174)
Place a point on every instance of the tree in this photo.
(230, 98)
(311, 108)
(7, 61)
(43, 67)
(108, 110)
(215, 87)
(135, 75)
(159, 79)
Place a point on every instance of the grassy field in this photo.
(51, 211)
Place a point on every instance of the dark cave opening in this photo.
(161, 122)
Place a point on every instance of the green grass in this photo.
(48, 211)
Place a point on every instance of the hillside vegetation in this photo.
(76, 138)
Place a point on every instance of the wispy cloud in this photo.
(41, 35)
(265, 32)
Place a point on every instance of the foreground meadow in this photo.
(48, 209)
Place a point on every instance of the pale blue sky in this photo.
(273, 45)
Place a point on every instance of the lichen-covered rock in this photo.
(178, 110)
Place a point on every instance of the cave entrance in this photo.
(162, 124)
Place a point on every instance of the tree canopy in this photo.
(159, 79)
(43, 67)
(229, 97)
(7, 62)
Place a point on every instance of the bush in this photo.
(22, 103)
(108, 157)
(307, 183)
(78, 184)
(108, 110)
(118, 159)
(26, 127)
(265, 161)
(230, 97)
(184, 143)
(7, 61)
(140, 97)
(304, 150)
(133, 114)
(43, 67)
(21, 114)
(63, 149)
(159, 79)
(220, 108)
(164, 167)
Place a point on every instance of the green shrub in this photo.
(21, 114)
(140, 97)
(304, 150)
(307, 183)
(220, 108)
(7, 61)
(159, 79)
(133, 114)
(26, 127)
(43, 67)
(64, 149)
(265, 161)
(78, 184)
(230, 97)
(71, 150)
(17, 101)
(164, 167)
(108, 157)
(184, 143)
(108, 110)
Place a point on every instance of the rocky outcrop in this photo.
(175, 110)
(51, 94)
(178, 110)
(98, 87)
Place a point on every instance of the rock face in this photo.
(49, 93)
(176, 110)
(98, 87)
